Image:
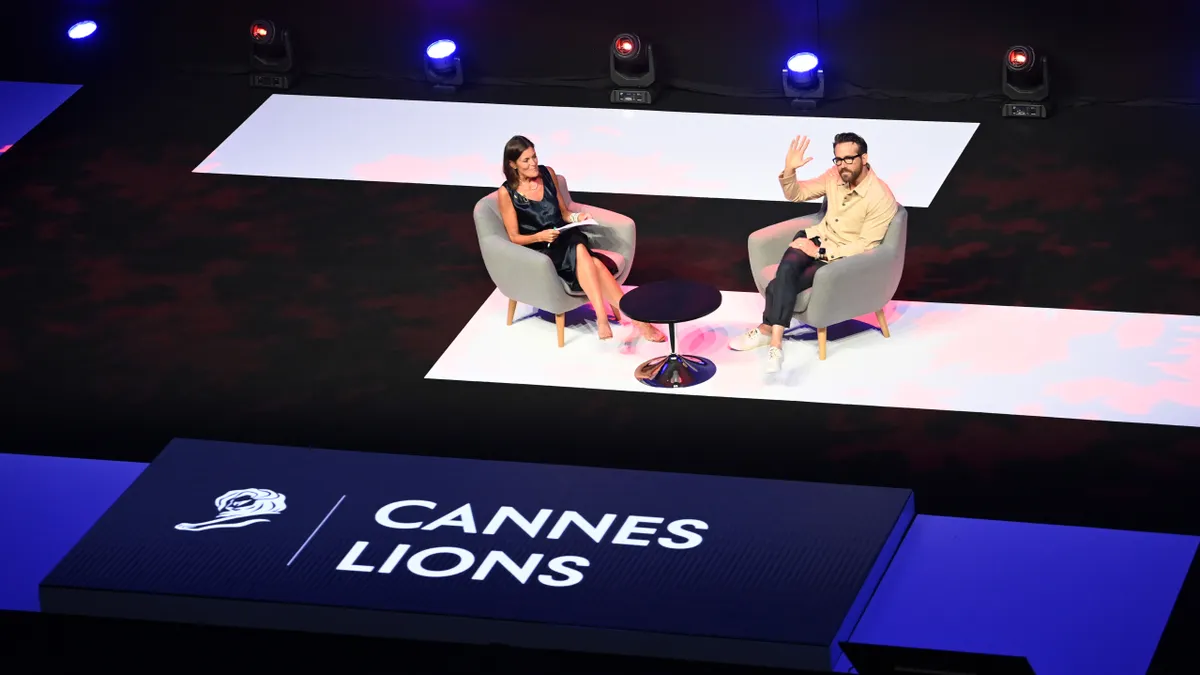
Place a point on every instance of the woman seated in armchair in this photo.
(533, 209)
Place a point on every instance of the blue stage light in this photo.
(804, 62)
(442, 49)
(81, 30)
(442, 66)
(803, 80)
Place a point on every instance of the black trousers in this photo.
(794, 276)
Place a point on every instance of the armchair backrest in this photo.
(564, 191)
(896, 238)
(488, 222)
(895, 241)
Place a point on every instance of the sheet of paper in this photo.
(589, 221)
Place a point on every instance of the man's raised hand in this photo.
(796, 154)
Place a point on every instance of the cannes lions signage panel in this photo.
(635, 551)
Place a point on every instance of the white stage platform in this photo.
(603, 150)
(1061, 363)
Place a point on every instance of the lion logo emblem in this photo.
(239, 508)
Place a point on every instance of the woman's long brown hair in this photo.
(512, 152)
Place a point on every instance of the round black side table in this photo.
(672, 302)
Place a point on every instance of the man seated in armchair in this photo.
(860, 207)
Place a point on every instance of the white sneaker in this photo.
(774, 360)
(751, 339)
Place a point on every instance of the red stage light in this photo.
(625, 46)
(1017, 58)
(262, 31)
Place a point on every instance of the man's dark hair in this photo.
(851, 138)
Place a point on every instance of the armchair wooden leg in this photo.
(882, 323)
(512, 310)
(560, 322)
(821, 335)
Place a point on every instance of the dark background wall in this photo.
(118, 254)
(1116, 51)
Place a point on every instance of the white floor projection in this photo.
(972, 358)
(604, 150)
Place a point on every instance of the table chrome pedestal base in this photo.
(675, 370)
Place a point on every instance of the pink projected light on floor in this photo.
(1029, 361)
(627, 152)
(5, 148)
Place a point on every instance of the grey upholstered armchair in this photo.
(526, 276)
(843, 289)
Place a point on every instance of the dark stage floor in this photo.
(144, 302)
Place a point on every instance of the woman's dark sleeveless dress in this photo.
(533, 217)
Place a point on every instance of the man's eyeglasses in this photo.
(838, 161)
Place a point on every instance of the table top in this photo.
(673, 301)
